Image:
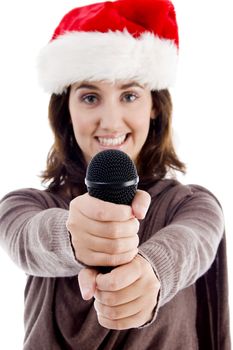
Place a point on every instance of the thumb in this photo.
(140, 204)
(87, 282)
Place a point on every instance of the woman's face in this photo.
(110, 116)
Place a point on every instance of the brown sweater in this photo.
(183, 238)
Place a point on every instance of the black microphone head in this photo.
(112, 176)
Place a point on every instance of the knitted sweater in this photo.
(182, 237)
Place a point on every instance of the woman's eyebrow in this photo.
(87, 86)
(131, 84)
(122, 87)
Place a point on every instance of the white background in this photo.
(203, 115)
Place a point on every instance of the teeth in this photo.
(112, 141)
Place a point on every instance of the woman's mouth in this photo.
(112, 141)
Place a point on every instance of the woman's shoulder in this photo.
(176, 192)
(38, 197)
(170, 198)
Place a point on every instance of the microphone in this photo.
(112, 176)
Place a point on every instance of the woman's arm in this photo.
(33, 232)
(178, 254)
(184, 250)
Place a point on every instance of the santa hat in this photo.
(120, 40)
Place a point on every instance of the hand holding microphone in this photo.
(104, 226)
(104, 233)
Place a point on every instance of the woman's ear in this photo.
(153, 114)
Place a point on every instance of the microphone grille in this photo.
(115, 168)
(111, 166)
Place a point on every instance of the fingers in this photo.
(102, 211)
(100, 259)
(122, 302)
(120, 298)
(87, 282)
(94, 250)
(120, 311)
(119, 278)
(140, 204)
(102, 243)
(99, 210)
(118, 244)
(112, 230)
(133, 321)
(105, 234)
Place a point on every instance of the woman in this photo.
(108, 68)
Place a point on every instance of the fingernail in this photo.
(142, 210)
(86, 293)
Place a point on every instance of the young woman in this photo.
(108, 68)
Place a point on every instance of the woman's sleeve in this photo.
(185, 249)
(33, 233)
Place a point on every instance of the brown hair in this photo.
(66, 166)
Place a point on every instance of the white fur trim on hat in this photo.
(111, 56)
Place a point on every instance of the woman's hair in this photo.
(66, 166)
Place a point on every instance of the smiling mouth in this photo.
(109, 141)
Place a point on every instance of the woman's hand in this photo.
(124, 298)
(103, 233)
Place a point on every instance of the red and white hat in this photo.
(120, 40)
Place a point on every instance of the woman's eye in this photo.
(89, 99)
(130, 97)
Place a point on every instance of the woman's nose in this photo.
(111, 117)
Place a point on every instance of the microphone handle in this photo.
(105, 269)
(108, 269)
